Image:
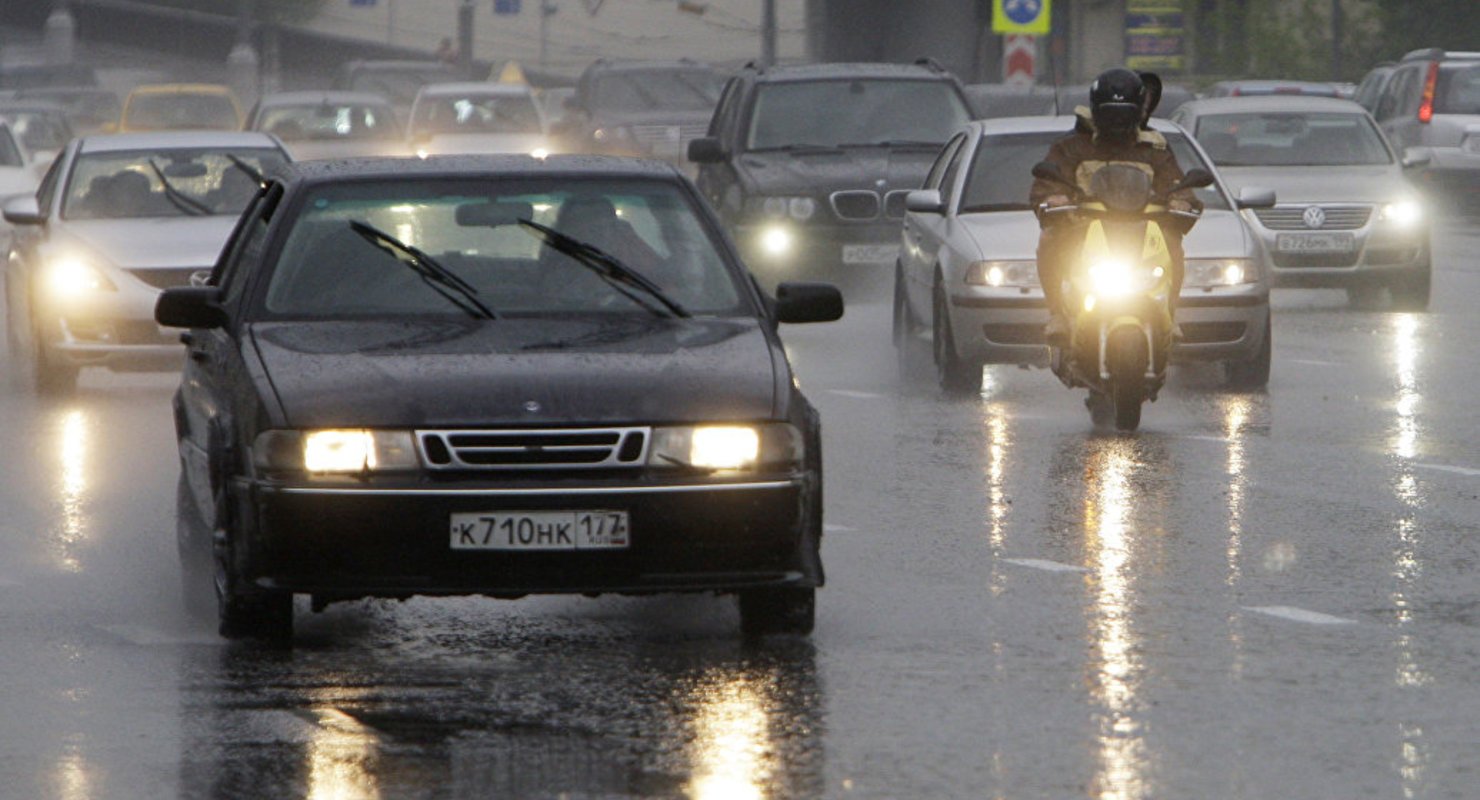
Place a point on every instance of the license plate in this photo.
(540, 530)
(1315, 243)
(870, 253)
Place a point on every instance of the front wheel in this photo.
(958, 376)
(787, 610)
(1128, 359)
(245, 613)
(1411, 293)
(1253, 374)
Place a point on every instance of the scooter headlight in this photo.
(1115, 279)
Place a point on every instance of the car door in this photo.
(215, 377)
(925, 233)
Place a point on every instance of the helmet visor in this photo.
(1117, 119)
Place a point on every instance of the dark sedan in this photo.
(497, 376)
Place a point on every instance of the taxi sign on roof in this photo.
(1020, 16)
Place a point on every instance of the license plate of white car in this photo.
(541, 530)
(870, 253)
(1315, 243)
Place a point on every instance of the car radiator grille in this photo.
(533, 449)
(857, 204)
(167, 277)
(1292, 218)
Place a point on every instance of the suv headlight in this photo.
(342, 451)
(1204, 273)
(726, 447)
(70, 276)
(1013, 274)
(799, 208)
(1403, 214)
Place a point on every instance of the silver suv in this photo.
(1431, 100)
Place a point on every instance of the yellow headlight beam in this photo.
(339, 451)
(724, 447)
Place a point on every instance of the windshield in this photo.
(471, 227)
(128, 185)
(1001, 174)
(839, 112)
(181, 112)
(1288, 139)
(505, 113)
(1458, 91)
(657, 90)
(328, 122)
(38, 130)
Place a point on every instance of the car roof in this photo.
(1063, 123)
(486, 88)
(845, 70)
(181, 88)
(167, 140)
(640, 65)
(322, 97)
(472, 166)
(1271, 103)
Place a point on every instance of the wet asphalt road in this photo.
(1257, 596)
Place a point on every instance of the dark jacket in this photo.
(1080, 154)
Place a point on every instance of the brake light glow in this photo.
(1426, 108)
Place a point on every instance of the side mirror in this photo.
(23, 211)
(190, 307)
(1195, 179)
(808, 302)
(1255, 197)
(924, 201)
(1417, 157)
(706, 150)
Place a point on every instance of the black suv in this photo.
(641, 108)
(809, 165)
(1429, 106)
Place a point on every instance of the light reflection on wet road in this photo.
(1018, 606)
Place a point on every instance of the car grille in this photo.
(659, 134)
(167, 277)
(1013, 333)
(1292, 218)
(894, 203)
(1391, 255)
(527, 449)
(1298, 260)
(858, 204)
(1212, 332)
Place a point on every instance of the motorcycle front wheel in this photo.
(1127, 359)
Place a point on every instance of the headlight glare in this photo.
(1211, 272)
(1113, 279)
(1404, 213)
(725, 447)
(1014, 274)
(776, 240)
(336, 451)
(71, 276)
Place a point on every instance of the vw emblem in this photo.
(531, 406)
(1315, 217)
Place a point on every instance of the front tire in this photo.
(1128, 359)
(1253, 374)
(242, 612)
(1411, 293)
(958, 377)
(778, 611)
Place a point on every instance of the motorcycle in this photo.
(1117, 290)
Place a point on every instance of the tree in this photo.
(1412, 24)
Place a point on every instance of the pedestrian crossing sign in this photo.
(1020, 17)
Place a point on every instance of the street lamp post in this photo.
(61, 33)
(242, 65)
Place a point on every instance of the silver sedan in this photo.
(967, 277)
(1348, 218)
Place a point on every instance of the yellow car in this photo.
(180, 106)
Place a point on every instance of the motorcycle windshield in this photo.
(1121, 188)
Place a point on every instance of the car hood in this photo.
(512, 371)
(168, 242)
(1374, 184)
(1013, 235)
(604, 117)
(482, 143)
(834, 170)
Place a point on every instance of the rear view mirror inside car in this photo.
(185, 169)
(493, 215)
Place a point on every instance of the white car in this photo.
(478, 118)
(117, 219)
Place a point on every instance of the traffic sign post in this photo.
(1020, 17)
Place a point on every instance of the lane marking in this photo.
(1300, 615)
(856, 394)
(1204, 438)
(1314, 362)
(1045, 565)
(1466, 471)
(828, 527)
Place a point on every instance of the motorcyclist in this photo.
(1114, 129)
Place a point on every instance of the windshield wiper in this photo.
(442, 280)
(895, 143)
(249, 169)
(607, 266)
(799, 148)
(177, 198)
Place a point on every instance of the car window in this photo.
(1291, 139)
(1403, 83)
(38, 130)
(47, 189)
(508, 113)
(857, 112)
(326, 269)
(948, 178)
(1369, 93)
(656, 90)
(247, 245)
(175, 183)
(1458, 91)
(932, 180)
(1001, 175)
(181, 112)
(10, 155)
(328, 122)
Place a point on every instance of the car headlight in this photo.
(1120, 279)
(1404, 213)
(74, 276)
(540, 153)
(1203, 273)
(799, 208)
(1014, 274)
(725, 447)
(776, 240)
(336, 451)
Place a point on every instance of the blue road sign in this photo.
(1023, 12)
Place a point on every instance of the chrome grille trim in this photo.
(521, 449)
(1292, 218)
(650, 134)
(855, 204)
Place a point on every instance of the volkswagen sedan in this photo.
(496, 376)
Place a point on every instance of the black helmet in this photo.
(1116, 100)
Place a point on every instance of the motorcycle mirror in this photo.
(1195, 179)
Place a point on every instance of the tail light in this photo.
(1426, 108)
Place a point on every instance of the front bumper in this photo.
(345, 541)
(113, 329)
(1380, 256)
(1005, 326)
(819, 249)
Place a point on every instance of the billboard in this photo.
(1155, 38)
